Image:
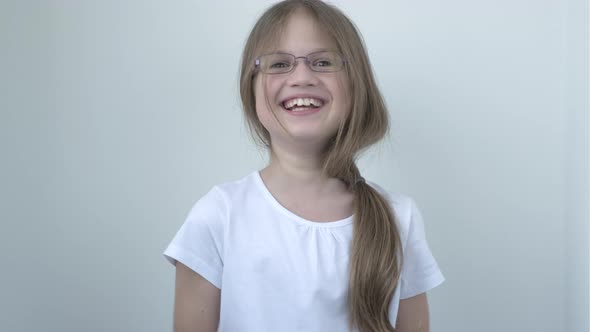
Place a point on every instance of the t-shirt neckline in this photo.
(278, 206)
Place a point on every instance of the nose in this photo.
(302, 75)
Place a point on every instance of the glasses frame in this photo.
(257, 62)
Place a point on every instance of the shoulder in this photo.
(403, 206)
(222, 196)
(236, 190)
(402, 203)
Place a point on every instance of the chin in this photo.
(309, 138)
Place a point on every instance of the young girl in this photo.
(305, 244)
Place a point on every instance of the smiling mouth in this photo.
(302, 104)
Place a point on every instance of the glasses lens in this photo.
(325, 61)
(276, 63)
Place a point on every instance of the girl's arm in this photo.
(196, 302)
(412, 314)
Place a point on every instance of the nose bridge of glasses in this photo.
(305, 60)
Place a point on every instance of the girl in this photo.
(305, 244)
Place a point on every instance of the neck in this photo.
(299, 172)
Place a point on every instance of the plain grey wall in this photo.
(116, 116)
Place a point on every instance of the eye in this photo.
(326, 61)
(279, 65)
(323, 63)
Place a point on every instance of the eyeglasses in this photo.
(280, 63)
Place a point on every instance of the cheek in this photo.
(344, 95)
(262, 105)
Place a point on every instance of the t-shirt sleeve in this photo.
(198, 244)
(420, 272)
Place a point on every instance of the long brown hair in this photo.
(375, 257)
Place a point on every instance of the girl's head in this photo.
(352, 115)
(276, 91)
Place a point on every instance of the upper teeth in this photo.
(303, 102)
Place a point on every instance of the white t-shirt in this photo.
(280, 272)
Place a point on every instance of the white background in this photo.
(116, 116)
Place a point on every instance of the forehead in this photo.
(302, 34)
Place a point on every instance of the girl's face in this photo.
(328, 90)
